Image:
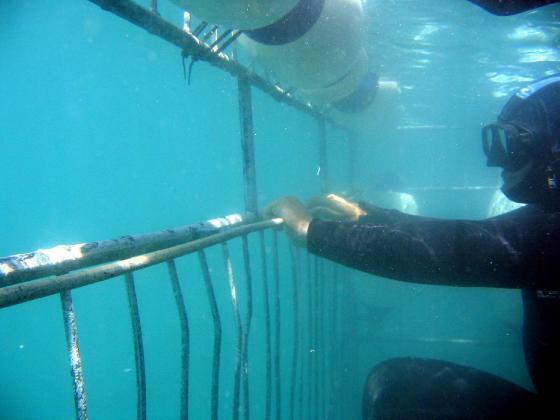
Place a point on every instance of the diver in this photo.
(520, 249)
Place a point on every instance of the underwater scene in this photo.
(110, 127)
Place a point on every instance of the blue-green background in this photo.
(100, 136)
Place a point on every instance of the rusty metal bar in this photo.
(188, 43)
(12, 295)
(323, 161)
(154, 6)
(238, 331)
(316, 347)
(352, 140)
(321, 337)
(247, 327)
(277, 330)
(268, 344)
(295, 345)
(230, 41)
(216, 351)
(71, 333)
(138, 347)
(301, 337)
(65, 258)
(247, 145)
(185, 347)
(311, 338)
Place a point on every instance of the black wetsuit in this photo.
(518, 250)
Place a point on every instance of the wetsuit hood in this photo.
(535, 109)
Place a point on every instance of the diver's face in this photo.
(514, 178)
(519, 185)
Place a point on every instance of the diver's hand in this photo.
(295, 215)
(334, 207)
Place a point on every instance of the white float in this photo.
(238, 14)
(326, 64)
(393, 200)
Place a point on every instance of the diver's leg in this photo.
(414, 388)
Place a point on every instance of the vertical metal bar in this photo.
(331, 382)
(315, 337)
(247, 144)
(215, 389)
(341, 347)
(352, 139)
(301, 339)
(295, 348)
(154, 6)
(311, 350)
(264, 275)
(323, 164)
(321, 337)
(71, 333)
(338, 334)
(219, 39)
(213, 32)
(200, 27)
(138, 347)
(185, 347)
(238, 331)
(247, 328)
(230, 41)
(277, 313)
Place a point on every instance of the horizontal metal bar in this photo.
(189, 44)
(12, 295)
(65, 258)
(509, 343)
(456, 188)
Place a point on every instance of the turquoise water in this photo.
(102, 137)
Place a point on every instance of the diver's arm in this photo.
(510, 7)
(518, 251)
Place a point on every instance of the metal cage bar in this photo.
(247, 145)
(71, 333)
(185, 338)
(316, 347)
(65, 258)
(311, 350)
(23, 292)
(217, 345)
(321, 338)
(190, 45)
(138, 347)
(277, 330)
(247, 327)
(238, 331)
(267, 329)
(323, 161)
(301, 337)
(295, 345)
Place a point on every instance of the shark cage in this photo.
(301, 356)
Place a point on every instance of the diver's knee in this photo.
(382, 384)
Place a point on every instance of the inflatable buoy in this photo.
(238, 14)
(316, 47)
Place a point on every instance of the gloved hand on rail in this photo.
(295, 215)
(336, 208)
